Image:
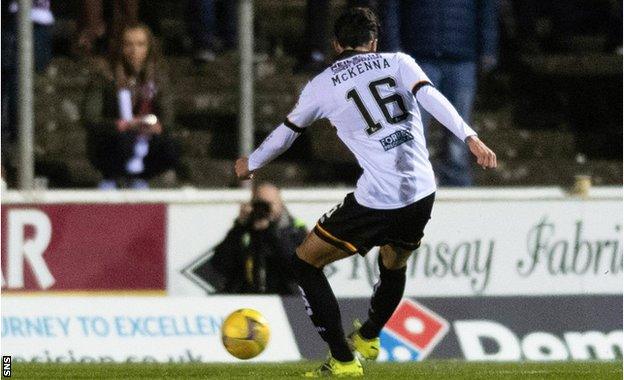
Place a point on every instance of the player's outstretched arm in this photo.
(437, 105)
(275, 144)
(486, 158)
(241, 167)
(305, 112)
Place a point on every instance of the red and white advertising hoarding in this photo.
(92, 247)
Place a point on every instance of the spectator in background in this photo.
(255, 255)
(316, 38)
(212, 26)
(451, 40)
(94, 31)
(127, 113)
(42, 19)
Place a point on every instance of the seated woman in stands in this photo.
(127, 114)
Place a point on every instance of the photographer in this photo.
(256, 253)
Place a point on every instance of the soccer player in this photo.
(371, 99)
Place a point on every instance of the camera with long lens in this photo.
(259, 210)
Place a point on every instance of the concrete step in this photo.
(60, 143)
(523, 144)
(67, 172)
(195, 143)
(205, 172)
(548, 172)
(220, 173)
(223, 73)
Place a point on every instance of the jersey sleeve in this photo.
(411, 75)
(439, 107)
(275, 144)
(306, 111)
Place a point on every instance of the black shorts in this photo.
(356, 229)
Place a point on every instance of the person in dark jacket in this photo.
(127, 112)
(212, 27)
(316, 41)
(256, 253)
(451, 40)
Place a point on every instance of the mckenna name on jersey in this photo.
(351, 68)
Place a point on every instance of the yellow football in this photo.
(245, 333)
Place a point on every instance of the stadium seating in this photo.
(207, 101)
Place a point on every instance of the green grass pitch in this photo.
(434, 369)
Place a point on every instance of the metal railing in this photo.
(246, 101)
(25, 110)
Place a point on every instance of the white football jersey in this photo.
(369, 98)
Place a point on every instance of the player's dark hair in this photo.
(356, 27)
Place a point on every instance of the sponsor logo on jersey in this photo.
(411, 333)
(395, 139)
(346, 63)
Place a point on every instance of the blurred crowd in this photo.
(128, 112)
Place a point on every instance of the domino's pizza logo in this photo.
(411, 333)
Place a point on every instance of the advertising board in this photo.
(484, 328)
(133, 329)
(470, 248)
(65, 247)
